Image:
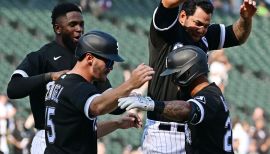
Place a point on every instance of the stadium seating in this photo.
(25, 27)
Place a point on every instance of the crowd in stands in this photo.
(232, 7)
(96, 7)
(252, 138)
(248, 137)
(15, 136)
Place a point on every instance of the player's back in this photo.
(213, 135)
(68, 129)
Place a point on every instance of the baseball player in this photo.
(172, 27)
(208, 129)
(34, 75)
(73, 102)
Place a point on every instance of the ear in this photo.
(89, 58)
(182, 17)
(57, 28)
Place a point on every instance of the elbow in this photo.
(10, 93)
(242, 41)
(96, 109)
(170, 3)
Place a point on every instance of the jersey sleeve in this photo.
(163, 25)
(204, 109)
(30, 66)
(219, 36)
(82, 97)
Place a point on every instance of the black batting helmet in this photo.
(98, 43)
(186, 64)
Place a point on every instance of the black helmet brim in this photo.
(113, 57)
(169, 72)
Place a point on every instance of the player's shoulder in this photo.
(210, 94)
(77, 82)
(50, 47)
(43, 51)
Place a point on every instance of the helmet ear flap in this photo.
(181, 79)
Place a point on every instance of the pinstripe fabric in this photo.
(155, 141)
(38, 144)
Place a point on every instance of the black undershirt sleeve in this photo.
(20, 87)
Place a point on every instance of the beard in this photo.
(69, 43)
(184, 93)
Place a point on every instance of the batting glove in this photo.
(140, 102)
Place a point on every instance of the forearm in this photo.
(20, 87)
(242, 29)
(106, 127)
(175, 110)
(107, 101)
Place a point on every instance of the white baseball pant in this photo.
(39, 143)
(163, 140)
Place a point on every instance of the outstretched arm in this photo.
(242, 27)
(107, 101)
(20, 86)
(127, 121)
(181, 111)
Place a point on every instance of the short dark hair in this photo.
(190, 6)
(62, 9)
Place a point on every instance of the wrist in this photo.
(159, 106)
(48, 77)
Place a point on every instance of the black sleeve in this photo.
(230, 38)
(19, 87)
(81, 93)
(164, 26)
(165, 17)
(27, 76)
(218, 36)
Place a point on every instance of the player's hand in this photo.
(140, 75)
(140, 102)
(56, 75)
(129, 120)
(248, 8)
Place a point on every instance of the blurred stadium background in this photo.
(25, 27)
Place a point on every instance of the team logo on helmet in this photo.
(177, 45)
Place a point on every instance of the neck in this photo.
(198, 84)
(80, 69)
(59, 40)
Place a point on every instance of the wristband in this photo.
(48, 77)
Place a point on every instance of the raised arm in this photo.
(172, 3)
(242, 27)
(107, 101)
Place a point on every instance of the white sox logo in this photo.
(200, 99)
(177, 45)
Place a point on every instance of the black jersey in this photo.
(212, 134)
(52, 57)
(166, 34)
(69, 127)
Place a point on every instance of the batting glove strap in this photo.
(147, 102)
(140, 102)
